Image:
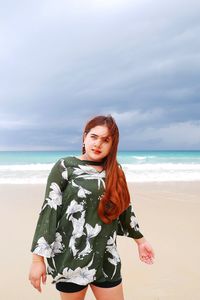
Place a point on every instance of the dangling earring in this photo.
(83, 148)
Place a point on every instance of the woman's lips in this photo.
(96, 151)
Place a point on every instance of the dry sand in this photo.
(169, 217)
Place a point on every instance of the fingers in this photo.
(146, 259)
(37, 273)
(44, 278)
(36, 284)
(150, 251)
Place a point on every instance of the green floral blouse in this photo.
(77, 245)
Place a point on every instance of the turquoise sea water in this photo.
(139, 166)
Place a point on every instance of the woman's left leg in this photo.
(108, 293)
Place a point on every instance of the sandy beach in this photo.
(169, 218)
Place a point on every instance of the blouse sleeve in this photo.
(46, 241)
(127, 223)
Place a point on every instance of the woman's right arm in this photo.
(45, 232)
(36, 258)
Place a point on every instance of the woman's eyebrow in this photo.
(108, 136)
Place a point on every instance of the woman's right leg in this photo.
(74, 296)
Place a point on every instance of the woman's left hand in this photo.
(146, 253)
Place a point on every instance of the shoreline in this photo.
(168, 215)
(129, 183)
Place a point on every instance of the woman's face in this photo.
(98, 143)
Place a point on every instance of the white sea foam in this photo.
(24, 174)
(161, 172)
(27, 180)
(158, 172)
(140, 157)
(28, 167)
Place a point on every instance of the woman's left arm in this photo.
(145, 251)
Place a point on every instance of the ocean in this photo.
(33, 167)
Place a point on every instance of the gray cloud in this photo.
(62, 63)
(184, 134)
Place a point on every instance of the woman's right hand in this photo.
(37, 271)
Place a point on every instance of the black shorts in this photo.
(70, 287)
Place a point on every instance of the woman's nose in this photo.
(97, 143)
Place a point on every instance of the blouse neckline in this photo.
(90, 162)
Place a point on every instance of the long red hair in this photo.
(116, 197)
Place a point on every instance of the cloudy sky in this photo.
(62, 62)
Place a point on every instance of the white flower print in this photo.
(85, 251)
(84, 169)
(78, 225)
(91, 174)
(81, 276)
(50, 270)
(65, 172)
(104, 273)
(57, 245)
(55, 197)
(91, 232)
(73, 208)
(82, 192)
(112, 249)
(72, 243)
(43, 248)
(77, 231)
(134, 223)
(46, 250)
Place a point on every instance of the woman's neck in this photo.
(85, 157)
(96, 162)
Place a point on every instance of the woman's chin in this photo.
(96, 156)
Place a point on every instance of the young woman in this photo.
(87, 204)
